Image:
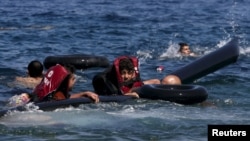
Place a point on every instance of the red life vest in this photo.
(51, 81)
(136, 82)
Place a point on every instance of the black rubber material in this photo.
(52, 105)
(80, 61)
(182, 94)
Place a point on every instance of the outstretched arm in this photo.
(89, 94)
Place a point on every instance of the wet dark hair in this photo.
(126, 64)
(64, 85)
(182, 45)
(70, 68)
(35, 68)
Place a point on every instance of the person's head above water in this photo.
(184, 49)
(35, 69)
(126, 64)
(126, 68)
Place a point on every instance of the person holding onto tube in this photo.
(123, 77)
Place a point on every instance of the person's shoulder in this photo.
(28, 82)
(20, 79)
(29, 79)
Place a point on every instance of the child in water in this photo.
(19, 100)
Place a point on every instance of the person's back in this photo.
(106, 83)
(35, 75)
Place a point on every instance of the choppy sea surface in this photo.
(148, 29)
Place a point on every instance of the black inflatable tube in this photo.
(182, 94)
(209, 63)
(80, 61)
(75, 102)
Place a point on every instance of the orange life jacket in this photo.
(136, 82)
(51, 81)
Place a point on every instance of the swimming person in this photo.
(185, 50)
(35, 75)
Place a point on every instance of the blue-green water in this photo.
(150, 30)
